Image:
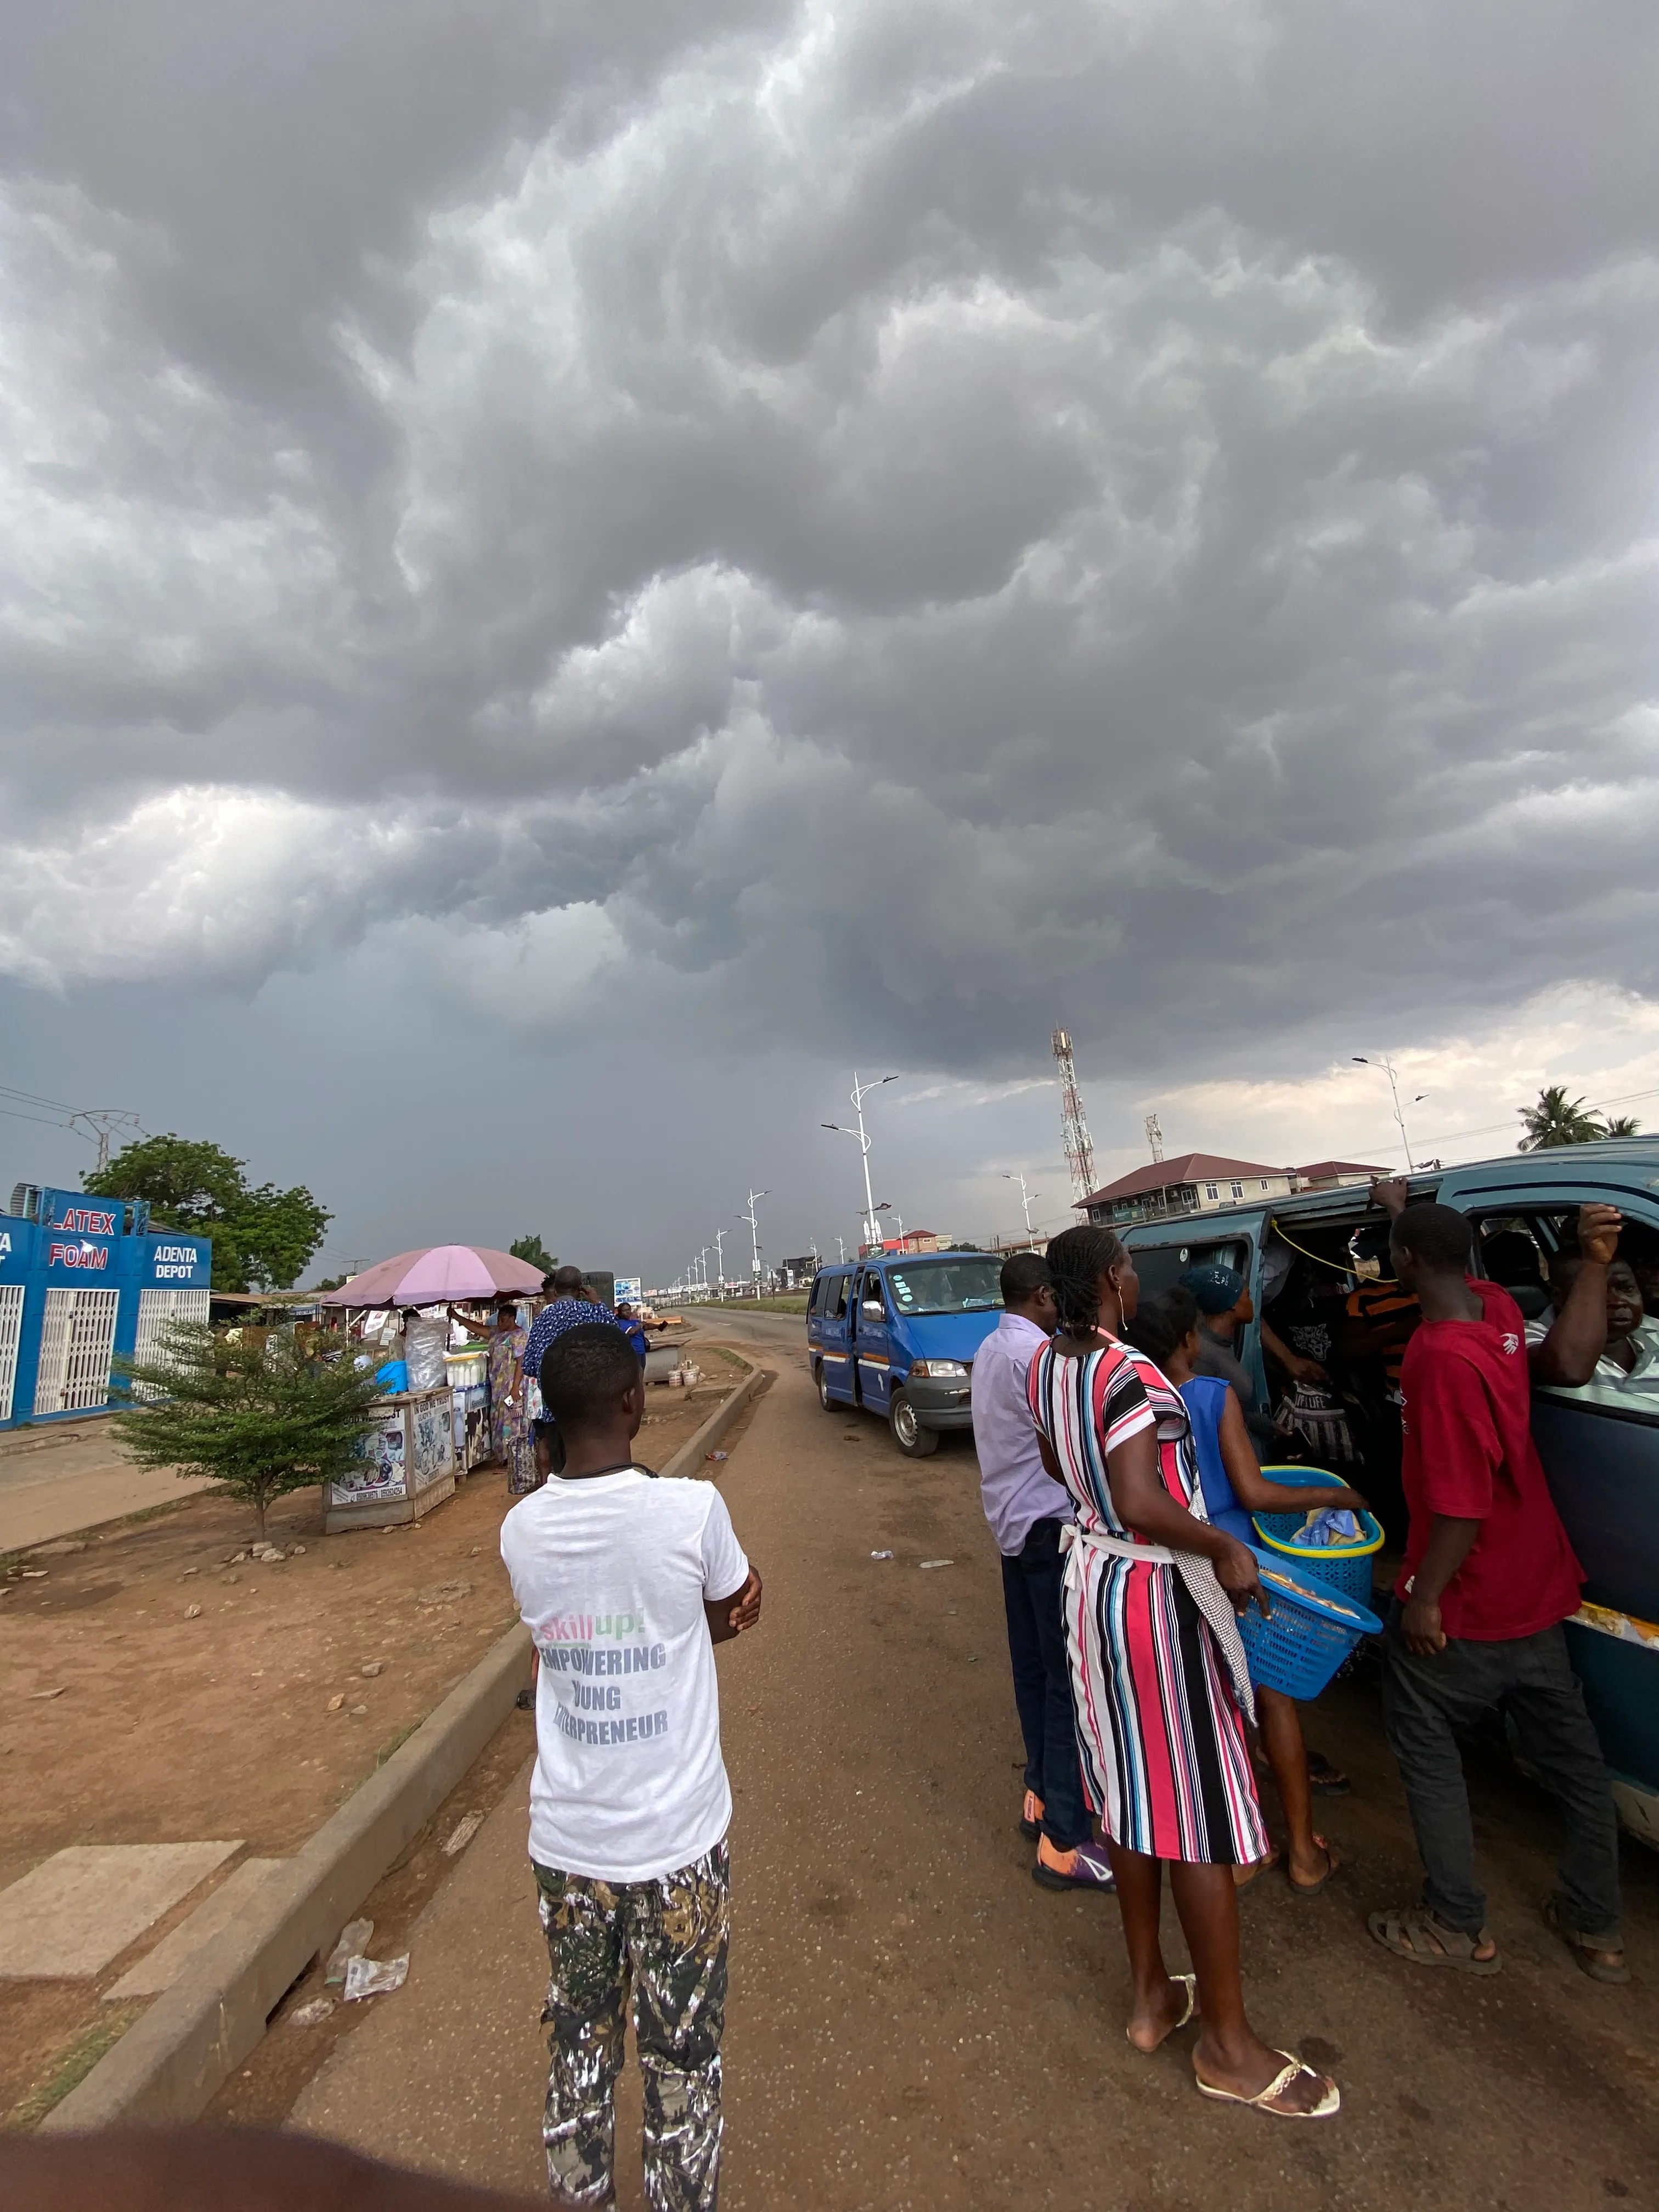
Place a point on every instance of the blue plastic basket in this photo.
(1309, 1633)
(1345, 1567)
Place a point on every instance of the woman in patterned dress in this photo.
(1157, 1675)
(510, 1436)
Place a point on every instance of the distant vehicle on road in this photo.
(897, 1336)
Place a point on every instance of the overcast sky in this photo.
(570, 572)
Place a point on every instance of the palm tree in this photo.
(1557, 1120)
(1621, 1124)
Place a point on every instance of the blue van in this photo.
(1310, 1261)
(896, 1335)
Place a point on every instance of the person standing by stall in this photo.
(505, 1339)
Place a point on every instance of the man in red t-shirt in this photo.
(1488, 1578)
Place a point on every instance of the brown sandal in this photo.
(1584, 1949)
(1332, 1860)
(1245, 1876)
(1411, 1931)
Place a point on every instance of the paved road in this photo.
(56, 1481)
(912, 2023)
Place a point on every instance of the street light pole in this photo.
(1388, 1067)
(860, 1092)
(1025, 1196)
(753, 1219)
(720, 1236)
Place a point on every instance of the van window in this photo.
(1518, 1251)
(969, 1283)
(870, 1298)
(843, 1283)
(1160, 1266)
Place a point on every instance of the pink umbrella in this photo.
(434, 1275)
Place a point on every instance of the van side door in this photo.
(873, 1341)
(835, 1337)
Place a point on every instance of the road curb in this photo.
(169, 2064)
(688, 1460)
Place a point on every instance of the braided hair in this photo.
(1078, 1258)
(1163, 1324)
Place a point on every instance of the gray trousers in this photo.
(1423, 1700)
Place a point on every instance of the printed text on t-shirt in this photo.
(569, 1645)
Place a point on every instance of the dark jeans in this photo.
(1423, 1700)
(1042, 1685)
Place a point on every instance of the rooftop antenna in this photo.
(1155, 1136)
(1074, 1127)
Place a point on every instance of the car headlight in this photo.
(938, 1369)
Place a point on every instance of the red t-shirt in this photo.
(1469, 1453)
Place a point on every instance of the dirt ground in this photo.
(123, 1719)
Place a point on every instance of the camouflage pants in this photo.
(667, 1938)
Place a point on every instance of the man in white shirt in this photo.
(1630, 1361)
(626, 1583)
(1027, 1509)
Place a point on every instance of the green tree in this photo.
(262, 1237)
(263, 1419)
(1557, 1120)
(1621, 1125)
(534, 1253)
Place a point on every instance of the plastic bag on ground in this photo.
(374, 1977)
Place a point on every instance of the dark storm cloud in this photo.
(889, 521)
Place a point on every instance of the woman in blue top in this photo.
(1166, 1330)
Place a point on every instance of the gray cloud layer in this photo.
(887, 521)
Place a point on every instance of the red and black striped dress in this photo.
(1165, 1764)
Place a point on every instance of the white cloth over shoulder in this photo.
(610, 1574)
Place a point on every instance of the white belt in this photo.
(1121, 1547)
(1196, 1571)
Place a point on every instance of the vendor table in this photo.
(408, 1466)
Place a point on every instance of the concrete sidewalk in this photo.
(58, 1480)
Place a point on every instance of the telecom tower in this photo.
(1079, 1150)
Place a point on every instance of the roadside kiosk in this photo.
(84, 1281)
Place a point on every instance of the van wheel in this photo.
(820, 1377)
(912, 1439)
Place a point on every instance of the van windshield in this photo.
(969, 1285)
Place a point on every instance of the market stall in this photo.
(435, 1413)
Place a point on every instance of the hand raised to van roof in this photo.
(1392, 1193)
(1598, 1233)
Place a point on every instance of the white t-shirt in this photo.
(611, 1572)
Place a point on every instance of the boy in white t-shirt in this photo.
(626, 1583)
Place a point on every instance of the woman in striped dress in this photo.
(1158, 1674)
